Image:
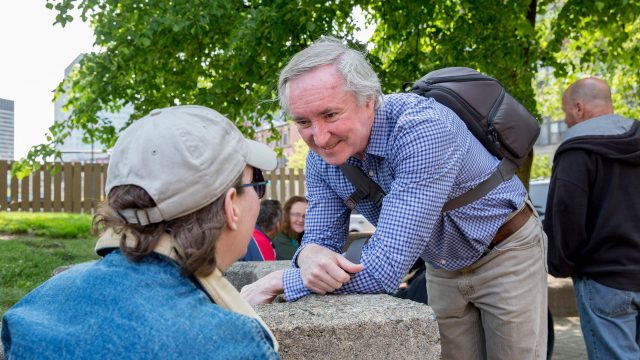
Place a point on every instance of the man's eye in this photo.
(303, 123)
(330, 116)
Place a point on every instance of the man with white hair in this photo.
(486, 260)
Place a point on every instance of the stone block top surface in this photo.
(353, 327)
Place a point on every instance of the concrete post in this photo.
(344, 326)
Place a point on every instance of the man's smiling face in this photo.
(329, 118)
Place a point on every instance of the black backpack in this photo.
(493, 116)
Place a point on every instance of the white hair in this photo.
(351, 64)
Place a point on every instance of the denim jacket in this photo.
(115, 308)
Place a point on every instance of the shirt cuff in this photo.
(294, 288)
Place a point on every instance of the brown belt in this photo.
(514, 224)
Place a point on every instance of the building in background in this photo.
(74, 148)
(7, 132)
(288, 137)
(551, 133)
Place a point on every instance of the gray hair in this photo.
(352, 65)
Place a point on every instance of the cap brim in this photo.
(260, 155)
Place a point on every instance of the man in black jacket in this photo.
(593, 219)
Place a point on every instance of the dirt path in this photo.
(7, 237)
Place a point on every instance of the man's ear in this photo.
(230, 211)
(580, 110)
(371, 105)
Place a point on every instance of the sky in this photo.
(33, 56)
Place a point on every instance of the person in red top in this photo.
(267, 226)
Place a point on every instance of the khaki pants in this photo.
(495, 308)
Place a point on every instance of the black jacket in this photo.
(593, 207)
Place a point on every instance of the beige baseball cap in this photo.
(184, 157)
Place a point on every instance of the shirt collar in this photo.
(378, 138)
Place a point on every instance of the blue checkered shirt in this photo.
(421, 154)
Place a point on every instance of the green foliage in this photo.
(227, 55)
(549, 91)
(216, 53)
(416, 36)
(541, 167)
(582, 38)
(55, 225)
(26, 262)
(298, 160)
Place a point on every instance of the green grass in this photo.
(28, 260)
(54, 225)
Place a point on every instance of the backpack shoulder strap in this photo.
(369, 189)
(503, 172)
(365, 187)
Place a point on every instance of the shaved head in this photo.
(590, 90)
(585, 99)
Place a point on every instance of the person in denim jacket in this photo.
(183, 191)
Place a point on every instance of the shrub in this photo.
(541, 167)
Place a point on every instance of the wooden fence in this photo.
(79, 188)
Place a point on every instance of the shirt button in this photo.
(370, 172)
(443, 261)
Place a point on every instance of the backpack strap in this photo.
(352, 250)
(365, 187)
(503, 172)
(369, 189)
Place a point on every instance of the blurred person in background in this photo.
(290, 236)
(267, 227)
(593, 219)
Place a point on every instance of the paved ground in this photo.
(569, 344)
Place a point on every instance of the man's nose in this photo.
(320, 133)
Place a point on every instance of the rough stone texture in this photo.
(344, 326)
(353, 327)
(562, 297)
(242, 273)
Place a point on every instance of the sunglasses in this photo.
(258, 183)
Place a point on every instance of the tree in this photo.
(217, 53)
(495, 37)
(585, 38)
(298, 160)
(541, 167)
(227, 55)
